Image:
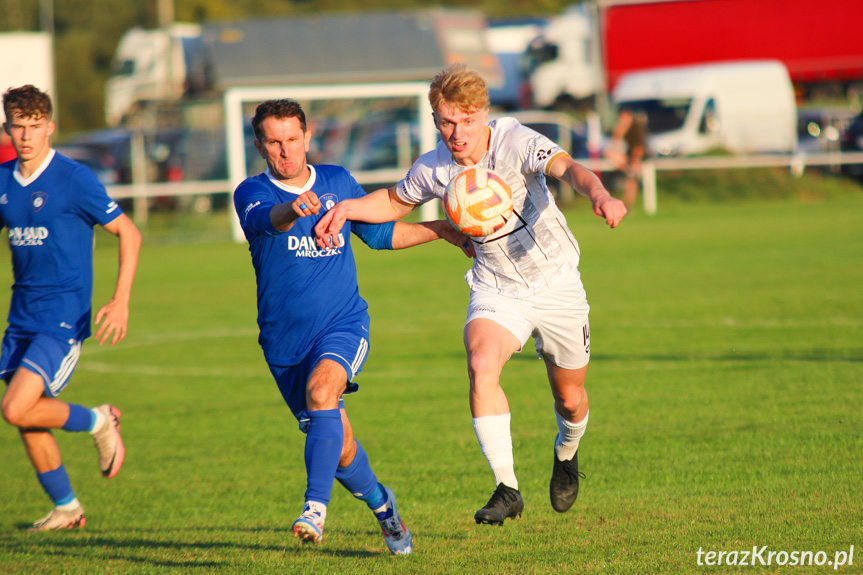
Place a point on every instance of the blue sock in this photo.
(323, 450)
(360, 480)
(56, 484)
(80, 418)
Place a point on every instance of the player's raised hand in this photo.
(328, 227)
(306, 204)
(112, 319)
(612, 209)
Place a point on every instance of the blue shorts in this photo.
(349, 347)
(54, 359)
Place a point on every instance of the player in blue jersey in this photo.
(314, 326)
(50, 204)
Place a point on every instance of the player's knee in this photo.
(570, 404)
(482, 365)
(13, 414)
(569, 408)
(320, 395)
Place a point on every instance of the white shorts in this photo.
(556, 318)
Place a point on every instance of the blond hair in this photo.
(459, 87)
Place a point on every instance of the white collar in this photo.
(27, 181)
(294, 189)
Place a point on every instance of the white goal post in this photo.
(375, 130)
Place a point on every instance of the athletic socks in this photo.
(360, 480)
(568, 437)
(81, 419)
(56, 484)
(495, 441)
(323, 450)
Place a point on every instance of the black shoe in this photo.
(505, 502)
(564, 483)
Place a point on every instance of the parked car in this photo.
(101, 164)
(819, 129)
(851, 140)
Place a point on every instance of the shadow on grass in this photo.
(814, 357)
(84, 545)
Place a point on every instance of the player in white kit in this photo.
(524, 281)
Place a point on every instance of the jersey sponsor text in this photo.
(29, 236)
(305, 247)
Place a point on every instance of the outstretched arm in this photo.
(113, 317)
(406, 235)
(587, 184)
(375, 208)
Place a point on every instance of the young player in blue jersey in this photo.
(50, 205)
(314, 326)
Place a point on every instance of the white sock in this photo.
(99, 420)
(568, 436)
(495, 441)
(74, 504)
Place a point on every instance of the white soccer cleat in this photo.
(59, 519)
(109, 444)
(309, 526)
(397, 537)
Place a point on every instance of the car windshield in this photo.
(663, 115)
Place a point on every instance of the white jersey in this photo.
(535, 249)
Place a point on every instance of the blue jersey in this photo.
(303, 291)
(50, 218)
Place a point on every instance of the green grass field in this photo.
(726, 390)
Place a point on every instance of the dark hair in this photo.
(27, 101)
(284, 108)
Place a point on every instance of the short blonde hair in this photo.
(459, 87)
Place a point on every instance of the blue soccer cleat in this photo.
(397, 537)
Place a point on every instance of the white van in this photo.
(744, 107)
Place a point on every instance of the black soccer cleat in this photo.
(564, 483)
(505, 502)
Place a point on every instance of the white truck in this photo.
(564, 58)
(37, 68)
(744, 107)
(207, 59)
(153, 65)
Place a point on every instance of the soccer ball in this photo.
(478, 202)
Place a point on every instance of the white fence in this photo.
(796, 163)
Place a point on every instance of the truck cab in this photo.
(152, 65)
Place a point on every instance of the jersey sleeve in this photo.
(418, 187)
(253, 204)
(540, 151)
(376, 236)
(92, 200)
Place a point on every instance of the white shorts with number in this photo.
(556, 318)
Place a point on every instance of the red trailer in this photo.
(819, 41)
